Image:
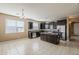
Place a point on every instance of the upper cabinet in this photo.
(42, 25)
(30, 25)
(62, 22)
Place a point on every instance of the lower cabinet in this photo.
(50, 38)
(33, 34)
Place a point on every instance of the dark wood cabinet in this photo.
(42, 25)
(50, 38)
(30, 25)
(54, 25)
(62, 22)
(31, 34)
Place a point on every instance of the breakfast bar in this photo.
(50, 37)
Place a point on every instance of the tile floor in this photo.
(38, 47)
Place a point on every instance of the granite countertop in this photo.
(34, 30)
(51, 33)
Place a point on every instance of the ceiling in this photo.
(41, 11)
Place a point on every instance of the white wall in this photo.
(41, 12)
(76, 29)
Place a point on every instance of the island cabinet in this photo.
(50, 37)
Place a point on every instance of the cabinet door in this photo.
(42, 26)
(30, 25)
(55, 25)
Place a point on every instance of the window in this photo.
(10, 26)
(46, 26)
(14, 26)
(20, 26)
(35, 25)
(51, 26)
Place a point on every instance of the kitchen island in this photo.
(50, 37)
